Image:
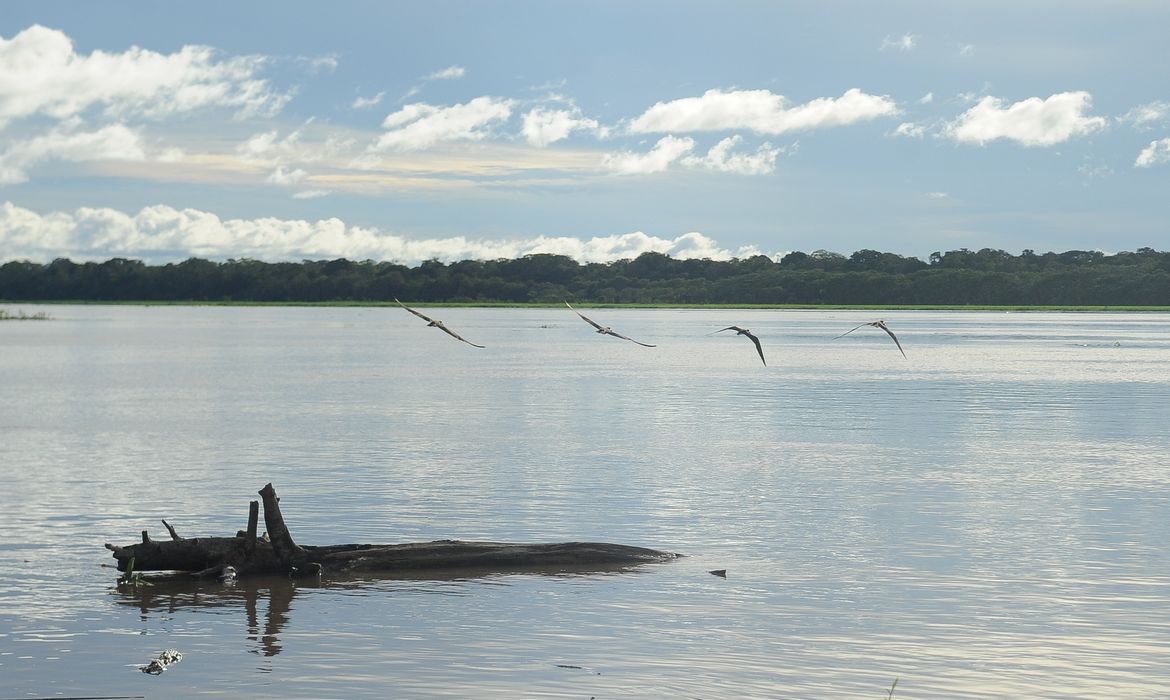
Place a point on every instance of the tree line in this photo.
(957, 277)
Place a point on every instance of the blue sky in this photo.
(600, 130)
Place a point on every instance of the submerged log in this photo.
(278, 553)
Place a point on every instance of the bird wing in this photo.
(587, 319)
(737, 329)
(619, 335)
(887, 330)
(424, 317)
(758, 348)
(455, 335)
(853, 329)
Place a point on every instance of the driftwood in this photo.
(277, 553)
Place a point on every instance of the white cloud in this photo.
(1157, 152)
(760, 111)
(113, 142)
(544, 126)
(268, 148)
(1147, 115)
(448, 73)
(926, 99)
(666, 151)
(938, 195)
(420, 125)
(721, 158)
(1093, 171)
(906, 42)
(604, 249)
(967, 50)
(283, 153)
(910, 130)
(312, 194)
(327, 63)
(1031, 122)
(280, 176)
(165, 234)
(42, 75)
(367, 102)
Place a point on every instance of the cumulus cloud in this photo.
(269, 148)
(541, 127)
(283, 154)
(760, 111)
(280, 176)
(906, 42)
(1156, 153)
(603, 249)
(668, 150)
(721, 158)
(165, 234)
(1030, 122)
(420, 125)
(43, 75)
(69, 143)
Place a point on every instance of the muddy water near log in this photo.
(984, 518)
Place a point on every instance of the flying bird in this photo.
(605, 330)
(437, 324)
(877, 324)
(753, 338)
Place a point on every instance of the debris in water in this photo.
(159, 664)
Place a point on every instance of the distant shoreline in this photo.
(543, 305)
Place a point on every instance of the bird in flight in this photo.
(437, 324)
(605, 330)
(877, 324)
(751, 336)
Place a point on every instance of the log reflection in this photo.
(168, 595)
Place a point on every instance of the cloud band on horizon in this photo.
(161, 234)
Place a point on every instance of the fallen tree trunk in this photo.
(277, 553)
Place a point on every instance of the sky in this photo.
(449, 130)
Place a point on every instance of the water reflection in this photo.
(167, 597)
(164, 596)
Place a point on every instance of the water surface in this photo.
(984, 518)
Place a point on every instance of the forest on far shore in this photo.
(867, 277)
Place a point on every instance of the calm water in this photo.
(986, 518)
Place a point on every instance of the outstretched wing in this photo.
(853, 329)
(758, 348)
(455, 335)
(619, 335)
(587, 319)
(737, 329)
(437, 324)
(882, 326)
(424, 317)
